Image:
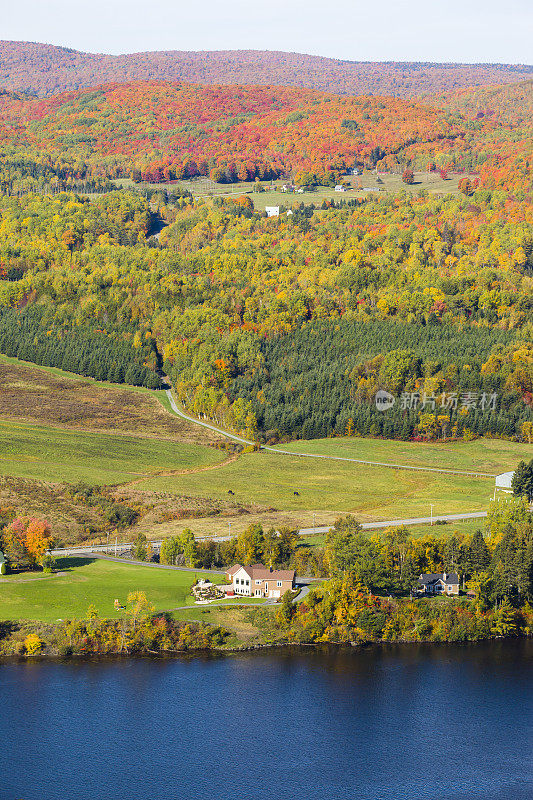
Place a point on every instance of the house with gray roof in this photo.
(435, 583)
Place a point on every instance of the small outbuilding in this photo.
(3, 564)
(504, 482)
(272, 211)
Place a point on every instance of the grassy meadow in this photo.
(50, 396)
(273, 196)
(490, 456)
(304, 486)
(84, 581)
(270, 480)
(360, 186)
(56, 427)
(55, 454)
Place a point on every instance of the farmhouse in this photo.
(3, 564)
(260, 581)
(438, 583)
(272, 211)
(340, 188)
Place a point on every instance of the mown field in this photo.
(91, 434)
(264, 481)
(305, 487)
(55, 454)
(273, 196)
(361, 185)
(490, 456)
(84, 581)
(370, 492)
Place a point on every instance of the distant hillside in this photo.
(164, 130)
(46, 70)
(161, 131)
(509, 105)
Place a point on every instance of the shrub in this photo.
(32, 645)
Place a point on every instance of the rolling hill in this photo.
(44, 70)
(163, 130)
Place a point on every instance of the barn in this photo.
(504, 481)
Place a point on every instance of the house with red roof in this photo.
(260, 581)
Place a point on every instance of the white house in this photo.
(340, 188)
(503, 482)
(260, 581)
(272, 211)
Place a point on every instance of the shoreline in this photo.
(221, 651)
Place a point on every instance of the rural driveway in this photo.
(389, 465)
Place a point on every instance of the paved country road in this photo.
(369, 526)
(100, 549)
(111, 548)
(177, 410)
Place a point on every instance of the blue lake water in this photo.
(400, 723)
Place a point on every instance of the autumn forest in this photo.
(112, 263)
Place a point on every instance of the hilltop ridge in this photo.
(44, 70)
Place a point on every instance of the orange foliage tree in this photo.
(27, 540)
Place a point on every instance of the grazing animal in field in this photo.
(297, 494)
(230, 492)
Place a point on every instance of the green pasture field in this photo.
(86, 581)
(491, 456)
(56, 454)
(391, 183)
(272, 196)
(369, 492)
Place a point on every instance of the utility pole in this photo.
(431, 504)
(116, 546)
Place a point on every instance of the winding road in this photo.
(177, 410)
(105, 550)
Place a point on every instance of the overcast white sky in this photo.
(396, 30)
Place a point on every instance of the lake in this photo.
(395, 723)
